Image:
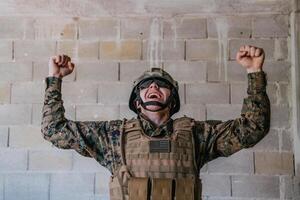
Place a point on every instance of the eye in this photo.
(144, 84)
(142, 87)
(163, 84)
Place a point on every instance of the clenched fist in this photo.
(60, 66)
(251, 57)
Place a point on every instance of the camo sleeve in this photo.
(217, 138)
(97, 139)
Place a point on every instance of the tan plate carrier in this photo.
(145, 175)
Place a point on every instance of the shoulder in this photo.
(212, 122)
(131, 124)
(183, 122)
(113, 125)
(119, 124)
(184, 118)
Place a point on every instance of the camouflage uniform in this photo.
(101, 139)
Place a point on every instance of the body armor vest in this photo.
(157, 168)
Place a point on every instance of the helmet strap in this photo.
(155, 103)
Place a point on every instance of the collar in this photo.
(152, 130)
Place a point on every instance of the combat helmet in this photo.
(156, 73)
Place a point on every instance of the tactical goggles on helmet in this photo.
(160, 83)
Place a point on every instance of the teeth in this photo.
(153, 96)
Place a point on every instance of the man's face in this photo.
(154, 91)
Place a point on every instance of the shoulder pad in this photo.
(184, 121)
(213, 122)
(131, 125)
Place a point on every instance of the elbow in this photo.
(47, 132)
(50, 126)
(46, 127)
(264, 126)
(261, 133)
(256, 125)
(256, 132)
(54, 136)
(256, 137)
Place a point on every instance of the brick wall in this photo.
(111, 47)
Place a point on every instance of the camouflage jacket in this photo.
(101, 139)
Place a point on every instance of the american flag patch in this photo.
(160, 146)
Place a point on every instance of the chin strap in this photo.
(155, 103)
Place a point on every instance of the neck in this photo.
(157, 118)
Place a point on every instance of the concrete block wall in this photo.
(111, 47)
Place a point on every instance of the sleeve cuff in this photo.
(257, 83)
(53, 82)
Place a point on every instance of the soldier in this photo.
(154, 156)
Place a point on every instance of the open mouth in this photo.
(153, 96)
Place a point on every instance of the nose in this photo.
(153, 85)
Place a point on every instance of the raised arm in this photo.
(90, 138)
(217, 138)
